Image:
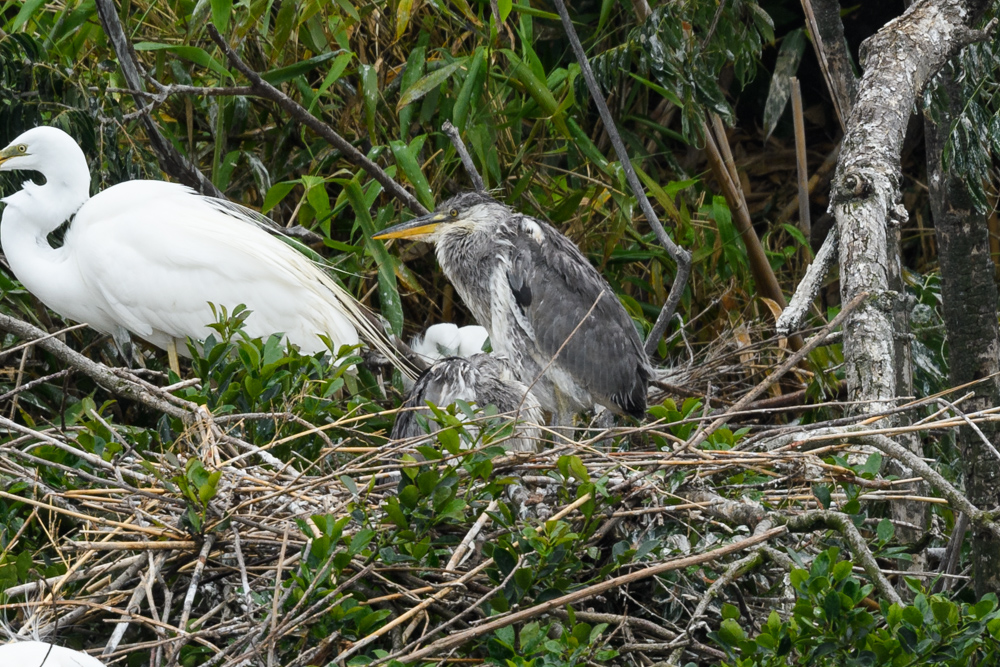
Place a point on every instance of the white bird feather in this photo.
(42, 654)
(149, 257)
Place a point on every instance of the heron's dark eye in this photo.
(22, 148)
(454, 212)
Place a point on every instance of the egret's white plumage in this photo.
(149, 256)
(42, 654)
(449, 340)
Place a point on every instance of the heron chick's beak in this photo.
(417, 228)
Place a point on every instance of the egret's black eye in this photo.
(454, 212)
(22, 148)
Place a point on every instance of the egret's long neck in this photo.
(34, 212)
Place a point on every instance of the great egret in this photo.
(546, 308)
(449, 340)
(482, 379)
(148, 257)
(43, 654)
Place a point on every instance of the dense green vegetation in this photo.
(302, 513)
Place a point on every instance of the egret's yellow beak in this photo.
(414, 229)
(8, 153)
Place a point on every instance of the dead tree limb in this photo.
(898, 61)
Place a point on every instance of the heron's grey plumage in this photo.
(483, 380)
(537, 295)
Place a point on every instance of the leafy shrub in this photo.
(835, 622)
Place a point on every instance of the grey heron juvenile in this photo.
(545, 307)
(482, 379)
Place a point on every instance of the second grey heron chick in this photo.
(481, 379)
(546, 308)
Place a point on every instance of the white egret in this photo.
(43, 654)
(148, 257)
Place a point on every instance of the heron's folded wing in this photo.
(570, 306)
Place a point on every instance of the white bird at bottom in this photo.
(43, 654)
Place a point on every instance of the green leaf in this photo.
(472, 86)
(25, 13)
(276, 194)
(193, 53)
(730, 632)
(538, 90)
(428, 83)
(361, 540)
(391, 306)
(463, 6)
(504, 6)
(282, 74)
(349, 9)
(450, 440)
(369, 93)
(221, 11)
(885, 530)
(403, 11)
(670, 96)
(336, 71)
(538, 13)
(406, 158)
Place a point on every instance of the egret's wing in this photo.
(159, 253)
(555, 288)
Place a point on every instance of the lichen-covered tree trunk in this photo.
(898, 61)
(969, 299)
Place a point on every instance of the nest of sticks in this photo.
(219, 553)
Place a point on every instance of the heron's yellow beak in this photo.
(414, 229)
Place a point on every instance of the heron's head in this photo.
(461, 214)
(39, 149)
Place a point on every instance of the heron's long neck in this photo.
(470, 260)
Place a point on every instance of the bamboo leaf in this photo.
(193, 53)
(369, 93)
(25, 13)
(391, 306)
(792, 48)
(403, 11)
(463, 6)
(406, 158)
(221, 11)
(282, 74)
(471, 86)
(428, 83)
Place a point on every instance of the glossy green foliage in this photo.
(684, 46)
(830, 625)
